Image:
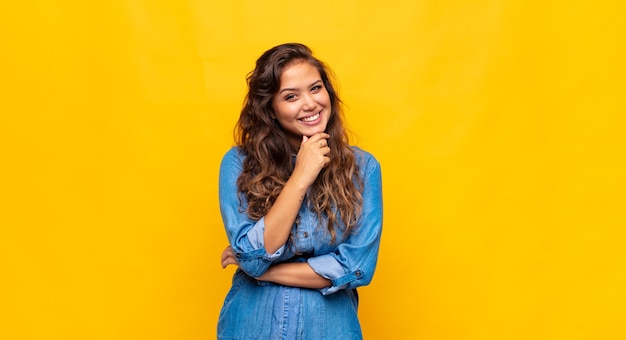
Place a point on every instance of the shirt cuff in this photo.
(329, 268)
(255, 237)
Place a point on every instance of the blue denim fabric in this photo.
(262, 310)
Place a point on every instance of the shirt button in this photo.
(237, 255)
(306, 234)
(358, 273)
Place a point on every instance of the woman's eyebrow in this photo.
(295, 89)
(286, 89)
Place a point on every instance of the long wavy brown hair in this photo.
(336, 193)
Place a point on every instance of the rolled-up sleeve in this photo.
(353, 263)
(244, 235)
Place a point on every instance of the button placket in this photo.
(303, 232)
(296, 224)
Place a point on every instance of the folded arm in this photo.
(288, 274)
(350, 265)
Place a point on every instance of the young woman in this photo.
(301, 207)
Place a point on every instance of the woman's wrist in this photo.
(296, 182)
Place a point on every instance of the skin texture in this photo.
(302, 107)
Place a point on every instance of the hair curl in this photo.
(268, 163)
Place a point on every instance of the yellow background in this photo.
(499, 126)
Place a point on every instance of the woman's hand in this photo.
(312, 158)
(228, 257)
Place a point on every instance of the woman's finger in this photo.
(228, 257)
(229, 261)
(316, 138)
(226, 254)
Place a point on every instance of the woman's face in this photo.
(302, 105)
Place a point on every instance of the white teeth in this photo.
(310, 118)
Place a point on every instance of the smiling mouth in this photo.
(311, 118)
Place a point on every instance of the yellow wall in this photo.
(498, 125)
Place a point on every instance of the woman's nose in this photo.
(308, 103)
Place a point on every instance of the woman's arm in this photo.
(288, 274)
(296, 275)
(258, 243)
(311, 158)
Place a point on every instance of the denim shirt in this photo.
(348, 263)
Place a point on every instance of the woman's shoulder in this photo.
(364, 158)
(233, 156)
(234, 151)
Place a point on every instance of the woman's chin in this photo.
(313, 132)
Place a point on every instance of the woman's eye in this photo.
(290, 96)
(316, 87)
